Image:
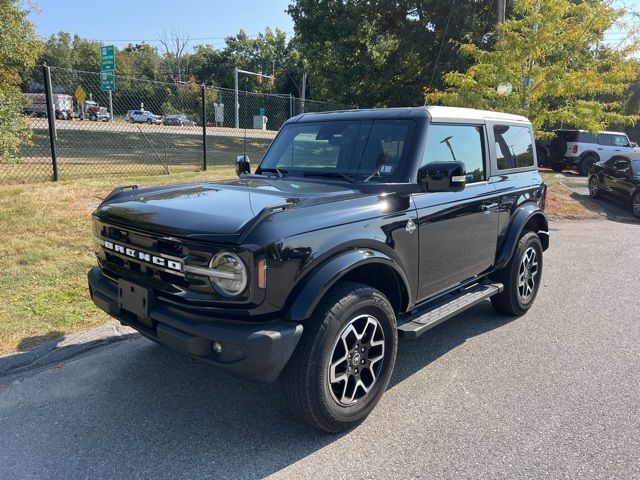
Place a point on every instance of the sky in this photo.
(120, 22)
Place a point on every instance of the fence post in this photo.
(290, 105)
(51, 119)
(204, 128)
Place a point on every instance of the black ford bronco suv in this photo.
(357, 227)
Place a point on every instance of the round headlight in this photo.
(232, 278)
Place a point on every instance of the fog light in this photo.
(216, 347)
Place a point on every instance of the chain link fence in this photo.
(143, 127)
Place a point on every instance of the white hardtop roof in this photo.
(451, 114)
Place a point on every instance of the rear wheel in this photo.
(586, 163)
(557, 167)
(345, 358)
(520, 277)
(635, 204)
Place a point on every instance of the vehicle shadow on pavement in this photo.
(613, 210)
(177, 413)
(414, 355)
(136, 409)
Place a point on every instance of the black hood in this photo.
(212, 209)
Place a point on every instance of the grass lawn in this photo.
(46, 250)
(126, 150)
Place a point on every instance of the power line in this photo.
(195, 39)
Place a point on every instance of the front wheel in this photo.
(521, 277)
(594, 186)
(635, 204)
(345, 358)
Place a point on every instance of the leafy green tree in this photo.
(19, 48)
(381, 52)
(552, 54)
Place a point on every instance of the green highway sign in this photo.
(107, 81)
(107, 68)
(107, 58)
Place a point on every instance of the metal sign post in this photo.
(108, 73)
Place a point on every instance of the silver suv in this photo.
(580, 149)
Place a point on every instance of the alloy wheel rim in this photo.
(593, 186)
(356, 360)
(527, 274)
(636, 205)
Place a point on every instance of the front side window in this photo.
(462, 143)
(621, 141)
(635, 167)
(514, 146)
(365, 150)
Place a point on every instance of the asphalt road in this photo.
(552, 394)
(122, 126)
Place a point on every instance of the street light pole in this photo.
(502, 9)
(236, 71)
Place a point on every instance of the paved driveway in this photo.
(553, 394)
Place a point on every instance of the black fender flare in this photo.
(318, 282)
(522, 216)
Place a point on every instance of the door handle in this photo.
(487, 207)
(599, 148)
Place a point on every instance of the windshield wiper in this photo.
(281, 172)
(348, 178)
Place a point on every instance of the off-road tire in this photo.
(510, 300)
(635, 204)
(557, 167)
(586, 163)
(306, 376)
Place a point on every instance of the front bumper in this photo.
(256, 351)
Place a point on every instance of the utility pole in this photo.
(502, 10)
(303, 90)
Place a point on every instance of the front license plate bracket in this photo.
(135, 299)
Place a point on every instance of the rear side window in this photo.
(604, 139)
(576, 136)
(459, 143)
(514, 147)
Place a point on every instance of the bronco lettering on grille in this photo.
(158, 260)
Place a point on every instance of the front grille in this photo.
(120, 265)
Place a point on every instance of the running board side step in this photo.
(418, 323)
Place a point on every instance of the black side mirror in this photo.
(243, 165)
(442, 177)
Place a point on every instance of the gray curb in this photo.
(64, 348)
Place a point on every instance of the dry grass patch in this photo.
(562, 202)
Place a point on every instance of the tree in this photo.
(175, 58)
(19, 48)
(379, 52)
(552, 54)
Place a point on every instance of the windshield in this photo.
(635, 166)
(363, 150)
